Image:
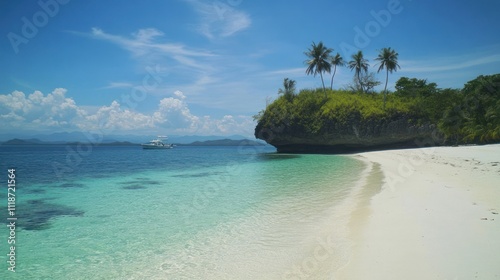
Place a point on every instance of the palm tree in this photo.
(389, 60)
(288, 88)
(318, 61)
(359, 64)
(336, 60)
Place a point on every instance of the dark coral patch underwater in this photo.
(37, 214)
(134, 187)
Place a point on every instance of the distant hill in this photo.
(219, 142)
(82, 137)
(17, 141)
(115, 143)
(225, 142)
(188, 139)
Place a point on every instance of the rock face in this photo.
(355, 135)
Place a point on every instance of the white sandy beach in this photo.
(436, 216)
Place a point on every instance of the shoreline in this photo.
(435, 216)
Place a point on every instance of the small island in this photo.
(417, 114)
(37, 142)
(224, 142)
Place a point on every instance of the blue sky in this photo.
(189, 67)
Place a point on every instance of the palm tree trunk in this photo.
(323, 82)
(334, 70)
(385, 88)
(360, 84)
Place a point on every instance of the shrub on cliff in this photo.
(308, 112)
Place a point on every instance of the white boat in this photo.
(157, 144)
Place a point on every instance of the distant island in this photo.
(225, 142)
(31, 142)
(221, 142)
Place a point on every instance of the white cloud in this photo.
(297, 71)
(174, 113)
(145, 45)
(219, 19)
(118, 85)
(56, 112)
(179, 94)
(234, 125)
(448, 63)
(147, 35)
(114, 117)
(37, 110)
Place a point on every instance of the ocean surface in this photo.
(100, 212)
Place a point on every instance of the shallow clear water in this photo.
(184, 213)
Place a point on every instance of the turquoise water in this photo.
(185, 213)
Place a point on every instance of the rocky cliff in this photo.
(351, 135)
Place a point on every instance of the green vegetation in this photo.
(474, 114)
(469, 115)
(306, 113)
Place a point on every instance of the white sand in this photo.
(435, 217)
